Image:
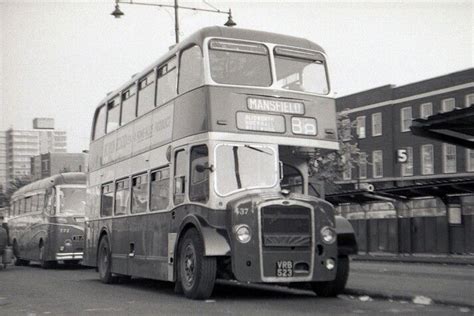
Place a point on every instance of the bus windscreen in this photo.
(301, 74)
(72, 201)
(245, 64)
(241, 167)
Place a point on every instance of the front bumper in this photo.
(69, 256)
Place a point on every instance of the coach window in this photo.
(34, 203)
(159, 189)
(179, 176)
(146, 93)
(128, 104)
(166, 82)
(28, 204)
(139, 193)
(107, 200)
(190, 69)
(50, 201)
(122, 196)
(21, 208)
(113, 114)
(199, 186)
(40, 202)
(99, 129)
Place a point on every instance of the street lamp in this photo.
(117, 13)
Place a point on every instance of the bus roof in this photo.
(58, 179)
(225, 32)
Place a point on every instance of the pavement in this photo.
(440, 283)
(467, 259)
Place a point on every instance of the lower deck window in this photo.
(159, 189)
(139, 194)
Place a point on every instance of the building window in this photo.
(122, 197)
(377, 163)
(361, 126)
(362, 165)
(139, 193)
(469, 100)
(346, 129)
(448, 105)
(449, 158)
(470, 160)
(377, 124)
(406, 118)
(427, 159)
(407, 167)
(426, 109)
(347, 172)
(160, 189)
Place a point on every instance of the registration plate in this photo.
(284, 268)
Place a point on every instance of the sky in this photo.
(59, 58)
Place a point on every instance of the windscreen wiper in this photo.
(257, 149)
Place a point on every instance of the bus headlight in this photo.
(330, 264)
(328, 235)
(242, 233)
(68, 243)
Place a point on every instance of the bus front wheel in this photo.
(335, 287)
(104, 262)
(45, 264)
(197, 273)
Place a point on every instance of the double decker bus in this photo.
(46, 220)
(199, 168)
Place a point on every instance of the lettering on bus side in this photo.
(268, 105)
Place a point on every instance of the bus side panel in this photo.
(157, 229)
(119, 243)
(91, 236)
(190, 113)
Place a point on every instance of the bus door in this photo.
(138, 264)
(119, 224)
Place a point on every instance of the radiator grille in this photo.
(286, 226)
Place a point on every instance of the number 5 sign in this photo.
(402, 155)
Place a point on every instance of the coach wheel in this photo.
(197, 273)
(105, 262)
(45, 264)
(16, 253)
(335, 287)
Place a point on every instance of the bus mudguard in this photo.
(215, 242)
(346, 239)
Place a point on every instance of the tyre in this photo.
(104, 263)
(335, 287)
(196, 273)
(16, 253)
(45, 264)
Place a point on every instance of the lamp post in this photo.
(117, 13)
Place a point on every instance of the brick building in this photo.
(392, 158)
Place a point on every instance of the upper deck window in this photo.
(239, 63)
(99, 129)
(190, 69)
(300, 70)
(167, 78)
(128, 104)
(146, 93)
(113, 114)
